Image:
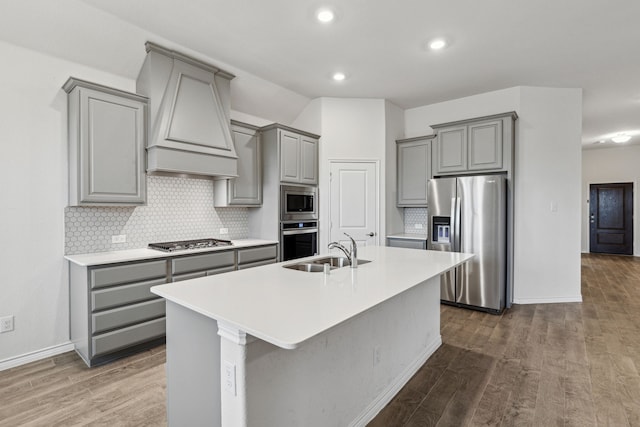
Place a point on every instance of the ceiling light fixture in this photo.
(339, 76)
(620, 138)
(325, 15)
(437, 44)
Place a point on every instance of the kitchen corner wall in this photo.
(177, 209)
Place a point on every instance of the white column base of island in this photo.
(272, 346)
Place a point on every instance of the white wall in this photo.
(417, 120)
(350, 129)
(608, 165)
(33, 170)
(547, 169)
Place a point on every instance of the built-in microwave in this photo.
(298, 203)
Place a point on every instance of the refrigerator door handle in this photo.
(452, 225)
(456, 230)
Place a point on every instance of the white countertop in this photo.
(98, 258)
(411, 236)
(287, 307)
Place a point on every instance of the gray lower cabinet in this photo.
(254, 257)
(107, 137)
(410, 243)
(413, 170)
(194, 266)
(113, 310)
(246, 189)
(292, 152)
(476, 145)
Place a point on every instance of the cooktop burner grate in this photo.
(189, 244)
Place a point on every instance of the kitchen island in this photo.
(272, 346)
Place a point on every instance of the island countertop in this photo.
(286, 307)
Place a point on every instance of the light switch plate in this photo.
(224, 231)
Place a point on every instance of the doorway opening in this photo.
(611, 218)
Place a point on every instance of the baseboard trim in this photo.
(34, 356)
(394, 387)
(577, 298)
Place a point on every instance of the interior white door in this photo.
(354, 203)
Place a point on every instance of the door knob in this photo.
(371, 234)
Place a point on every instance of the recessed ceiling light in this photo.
(618, 139)
(325, 15)
(339, 76)
(437, 44)
(602, 141)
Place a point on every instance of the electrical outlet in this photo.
(6, 324)
(224, 231)
(229, 377)
(120, 238)
(418, 226)
(376, 355)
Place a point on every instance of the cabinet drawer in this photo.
(407, 243)
(126, 294)
(127, 273)
(257, 263)
(221, 270)
(181, 277)
(127, 315)
(251, 255)
(202, 262)
(136, 334)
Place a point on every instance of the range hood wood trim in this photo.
(168, 160)
(150, 46)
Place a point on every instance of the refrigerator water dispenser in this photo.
(441, 229)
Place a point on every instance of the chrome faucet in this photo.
(351, 255)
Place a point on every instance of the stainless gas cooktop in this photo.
(189, 244)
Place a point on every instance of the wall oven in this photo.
(298, 239)
(298, 203)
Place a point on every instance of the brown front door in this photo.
(611, 218)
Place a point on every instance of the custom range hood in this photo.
(189, 125)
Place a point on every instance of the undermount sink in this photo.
(306, 266)
(317, 265)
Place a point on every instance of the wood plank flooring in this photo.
(536, 365)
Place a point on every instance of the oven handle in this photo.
(299, 231)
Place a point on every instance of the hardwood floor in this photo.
(536, 365)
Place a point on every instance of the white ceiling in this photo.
(590, 44)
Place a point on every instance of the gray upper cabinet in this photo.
(485, 145)
(107, 137)
(289, 157)
(246, 189)
(481, 144)
(413, 170)
(308, 160)
(296, 153)
(451, 150)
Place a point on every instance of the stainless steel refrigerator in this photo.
(469, 214)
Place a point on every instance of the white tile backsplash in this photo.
(177, 209)
(413, 216)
